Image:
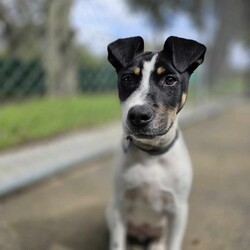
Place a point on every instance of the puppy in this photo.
(153, 173)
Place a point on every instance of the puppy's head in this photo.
(153, 86)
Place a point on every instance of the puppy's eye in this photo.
(128, 80)
(170, 80)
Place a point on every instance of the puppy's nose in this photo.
(140, 115)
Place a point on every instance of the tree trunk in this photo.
(246, 79)
(217, 67)
(59, 61)
(230, 26)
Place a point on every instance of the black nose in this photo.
(140, 115)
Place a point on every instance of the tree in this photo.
(59, 59)
(41, 29)
(22, 26)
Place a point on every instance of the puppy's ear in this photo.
(122, 51)
(186, 54)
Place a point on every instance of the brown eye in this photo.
(128, 80)
(170, 80)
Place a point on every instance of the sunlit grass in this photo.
(229, 86)
(45, 117)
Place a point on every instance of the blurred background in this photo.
(57, 87)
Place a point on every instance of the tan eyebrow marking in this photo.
(160, 70)
(199, 61)
(183, 99)
(136, 70)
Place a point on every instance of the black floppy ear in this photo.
(122, 51)
(186, 54)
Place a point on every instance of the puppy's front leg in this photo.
(116, 228)
(177, 226)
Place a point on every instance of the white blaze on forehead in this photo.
(138, 97)
(147, 69)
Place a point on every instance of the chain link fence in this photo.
(25, 78)
(21, 78)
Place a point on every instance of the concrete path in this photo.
(32, 163)
(29, 164)
(66, 212)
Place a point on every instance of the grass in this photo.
(230, 86)
(45, 117)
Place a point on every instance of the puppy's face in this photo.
(153, 86)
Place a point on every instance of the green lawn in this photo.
(45, 117)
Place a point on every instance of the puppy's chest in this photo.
(147, 192)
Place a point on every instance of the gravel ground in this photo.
(66, 212)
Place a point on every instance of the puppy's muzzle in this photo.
(140, 116)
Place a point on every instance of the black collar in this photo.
(152, 150)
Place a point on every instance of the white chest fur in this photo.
(153, 185)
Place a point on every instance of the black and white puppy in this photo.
(153, 173)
